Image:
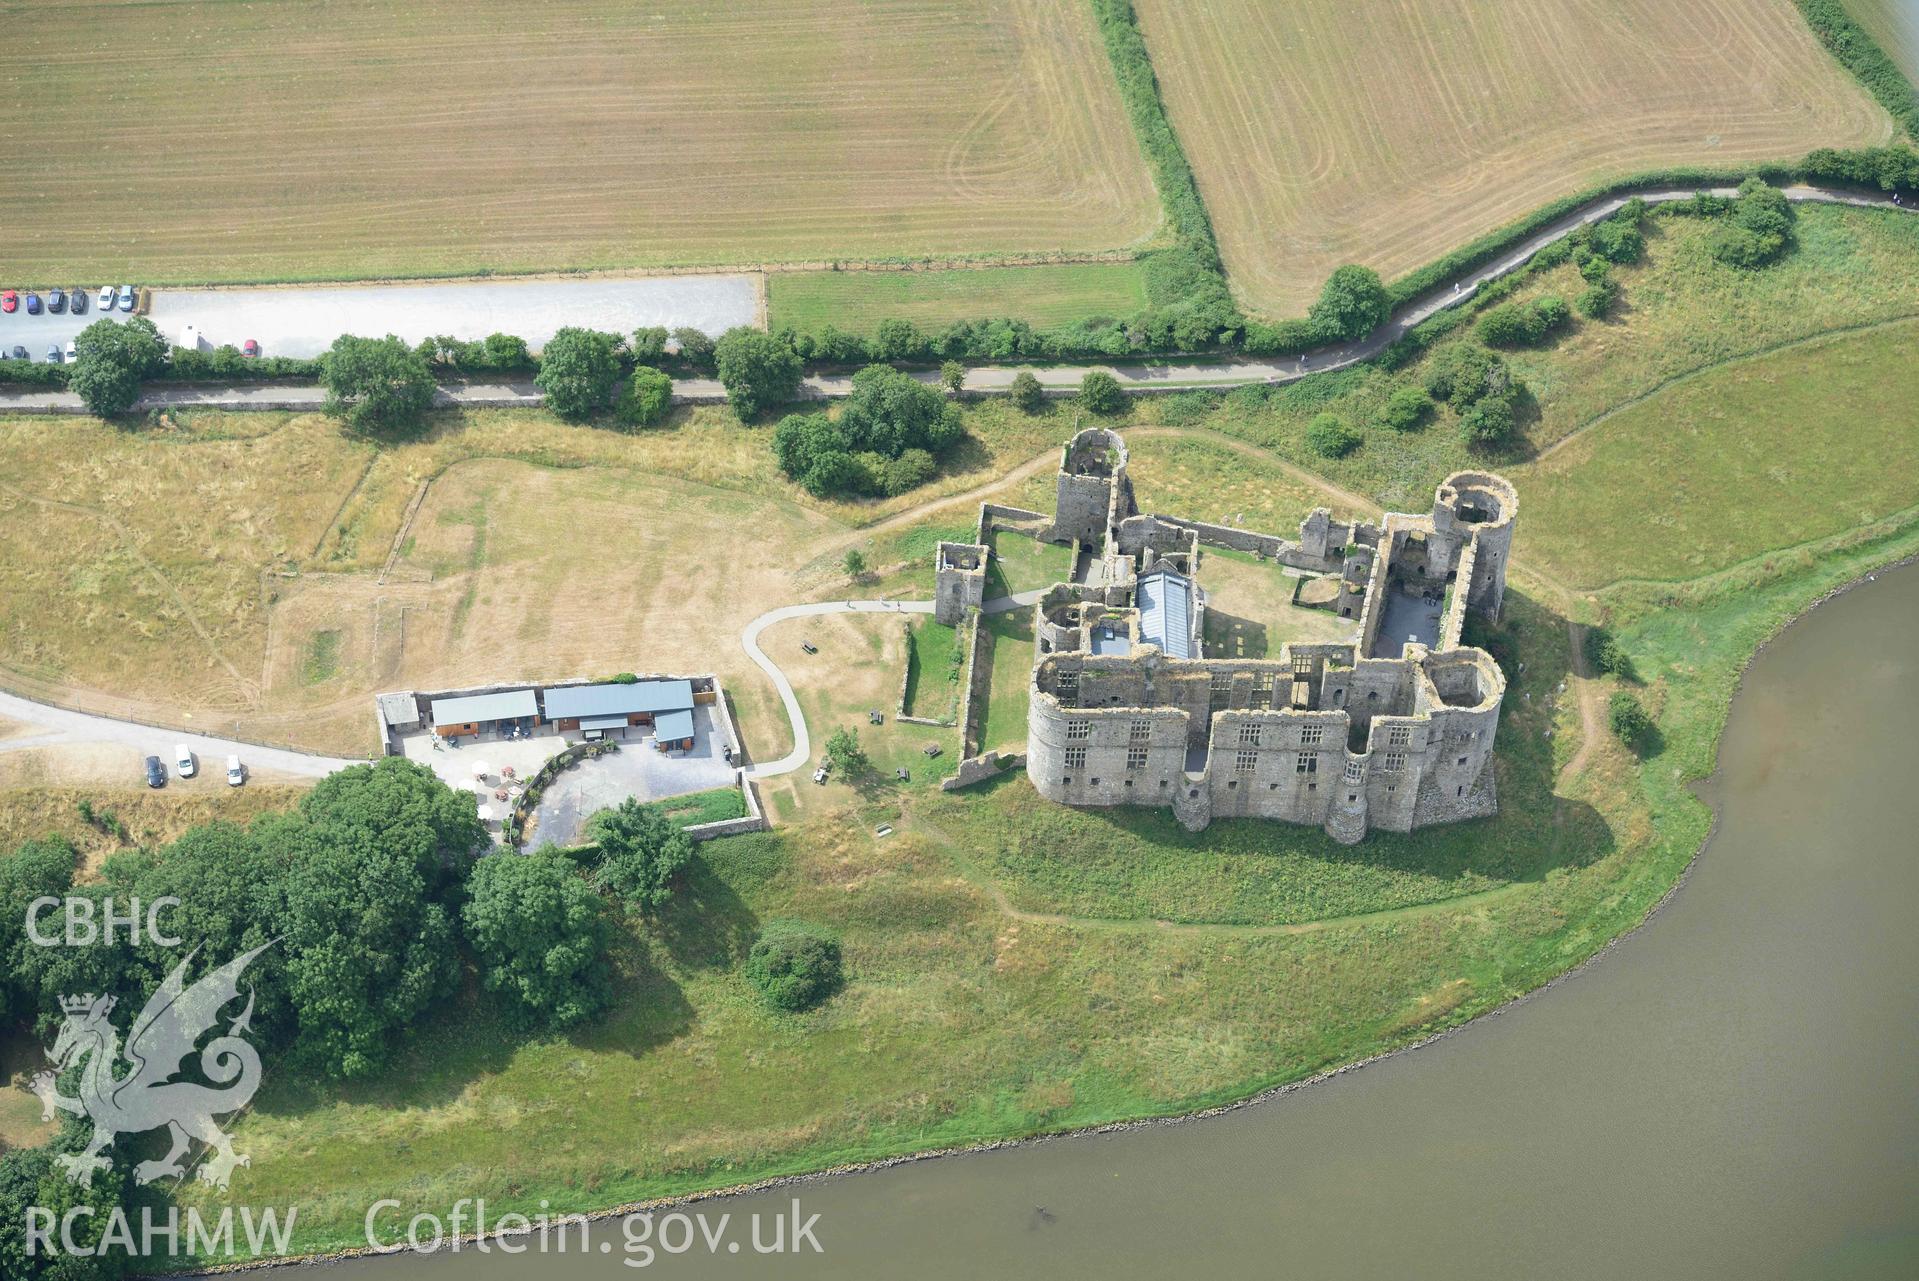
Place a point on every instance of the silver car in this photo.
(126, 297)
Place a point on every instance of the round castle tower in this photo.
(1479, 507)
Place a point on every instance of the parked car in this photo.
(77, 299)
(126, 297)
(72, 354)
(249, 348)
(184, 762)
(19, 352)
(9, 301)
(53, 354)
(56, 301)
(156, 772)
(33, 303)
(236, 772)
(106, 298)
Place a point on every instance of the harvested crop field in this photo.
(1494, 110)
(202, 141)
(1894, 26)
(1042, 296)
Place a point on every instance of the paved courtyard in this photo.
(637, 770)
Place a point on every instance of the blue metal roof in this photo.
(1166, 612)
(507, 705)
(673, 726)
(569, 701)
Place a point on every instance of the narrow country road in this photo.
(1058, 380)
(750, 642)
(58, 725)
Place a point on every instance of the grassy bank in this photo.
(1044, 297)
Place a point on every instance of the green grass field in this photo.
(1681, 313)
(1766, 453)
(704, 807)
(1006, 696)
(1024, 564)
(935, 659)
(1043, 296)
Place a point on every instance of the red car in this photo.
(9, 301)
(250, 347)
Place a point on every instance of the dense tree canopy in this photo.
(757, 369)
(111, 359)
(540, 933)
(1351, 305)
(1100, 393)
(639, 853)
(886, 440)
(579, 371)
(376, 384)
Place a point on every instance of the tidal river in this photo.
(1731, 1092)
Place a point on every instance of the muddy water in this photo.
(1730, 1093)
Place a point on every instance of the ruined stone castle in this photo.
(1392, 729)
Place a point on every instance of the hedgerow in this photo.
(1860, 54)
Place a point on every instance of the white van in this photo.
(183, 761)
(236, 773)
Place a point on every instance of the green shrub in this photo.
(1603, 652)
(1100, 393)
(795, 965)
(1595, 302)
(1028, 395)
(1758, 228)
(1330, 436)
(1489, 421)
(952, 376)
(1407, 409)
(1629, 721)
(647, 398)
(1517, 324)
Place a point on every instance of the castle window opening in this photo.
(1079, 729)
(1308, 763)
(1245, 762)
(1075, 758)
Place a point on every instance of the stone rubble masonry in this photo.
(1328, 734)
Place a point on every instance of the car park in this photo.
(126, 298)
(56, 301)
(9, 301)
(156, 772)
(184, 762)
(33, 303)
(77, 301)
(106, 298)
(236, 772)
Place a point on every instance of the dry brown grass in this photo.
(1389, 132)
(32, 806)
(182, 575)
(203, 141)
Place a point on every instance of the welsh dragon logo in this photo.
(147, 1098)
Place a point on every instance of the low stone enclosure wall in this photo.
(973, 690)
(513, 832)
(977, 769)
(906, 677)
